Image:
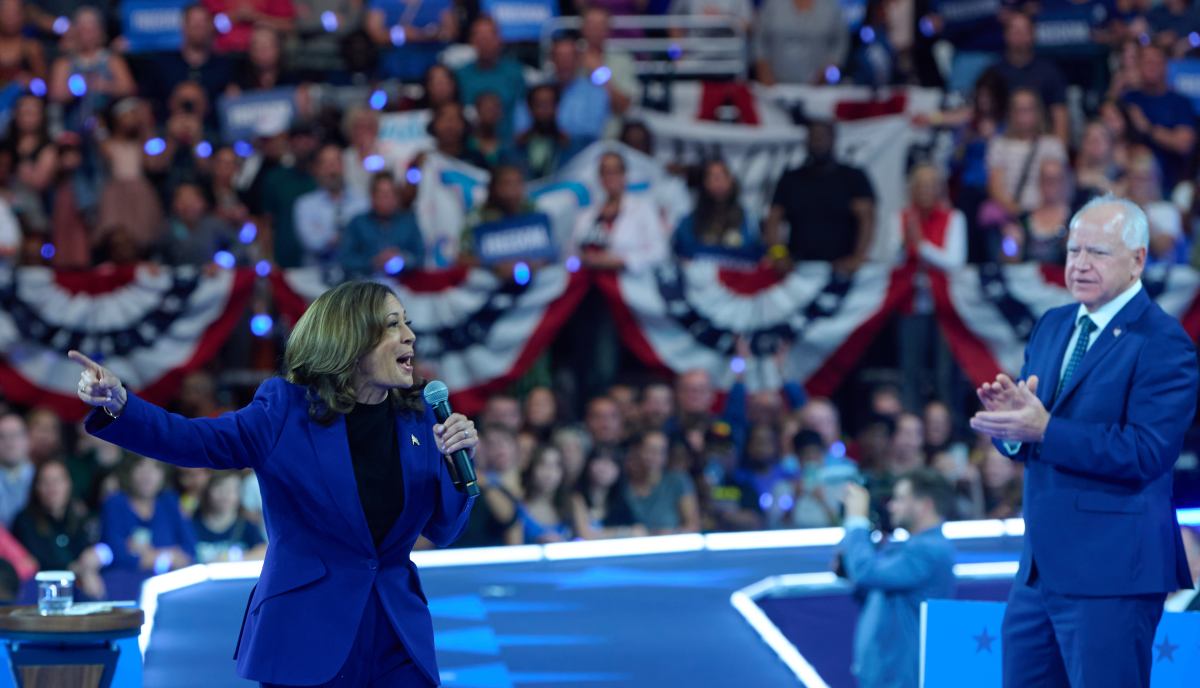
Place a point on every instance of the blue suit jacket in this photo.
(1098, 514)
(321, 563)
(895, 580)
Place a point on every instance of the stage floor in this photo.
(648, 620)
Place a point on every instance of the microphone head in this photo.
(436, 392)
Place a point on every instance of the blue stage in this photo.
(577, 614)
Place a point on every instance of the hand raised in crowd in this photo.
(857, 501)
(98, 386)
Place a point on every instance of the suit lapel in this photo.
(1105, 342)
(1049, 367)
(337, 473)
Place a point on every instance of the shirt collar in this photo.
(1104, 314)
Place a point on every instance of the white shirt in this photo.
(1101, 318)
(320, 219)
(638, 235)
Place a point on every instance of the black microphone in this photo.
(438, 397)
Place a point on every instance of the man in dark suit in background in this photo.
(1108, 391)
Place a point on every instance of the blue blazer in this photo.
(894, 582)
(321, 562)
(1098, 514)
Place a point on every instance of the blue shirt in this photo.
(412, 60)
(168, 527)
(505, 79)
(895, 580)
(1167, 110)
(368, 234)
(583, 110)
(734, 243)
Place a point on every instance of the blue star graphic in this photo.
(1166, 650)
(983, 641)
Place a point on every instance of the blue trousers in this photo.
(1052, 640)
(377, 657)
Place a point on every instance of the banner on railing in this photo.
(478, 332)
(691, 316)
(986, 314)
(475, 332)
(150, 325)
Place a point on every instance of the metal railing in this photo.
(713, 47)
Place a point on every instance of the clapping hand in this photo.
(857, 501)
(98, 386)
(1012, 411)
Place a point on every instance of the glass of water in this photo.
(56, 591)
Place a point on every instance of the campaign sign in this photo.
(257, 113)
(153, 25)
(521, 20)
(524, 237)
(1184, 78)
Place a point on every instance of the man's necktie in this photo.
(1086, 327)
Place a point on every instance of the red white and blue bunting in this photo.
(479, 333)
(149, 325)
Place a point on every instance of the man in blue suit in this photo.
(896, 580)
(1108, 390)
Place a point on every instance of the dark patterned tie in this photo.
(1086, 327)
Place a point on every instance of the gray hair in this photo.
(1135, 228)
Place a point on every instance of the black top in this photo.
(375, 453)
(816, 201)
(1041, 75)
(55, 544)
(212, 546)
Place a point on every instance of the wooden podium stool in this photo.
(66, 651)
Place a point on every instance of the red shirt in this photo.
(237, 39)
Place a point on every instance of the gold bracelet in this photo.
(779, 251)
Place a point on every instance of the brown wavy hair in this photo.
(338, 329)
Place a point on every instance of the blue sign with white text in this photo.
(1184, 78)
(257, 113)
(524, 237)
(153, 25)
(521, 20)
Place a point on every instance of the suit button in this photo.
(372, 564)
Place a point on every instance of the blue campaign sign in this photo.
(418, 13)
(1066, 28)
(524, 237)
(962, 638)
(521, 20)
(257, 113)
(853, 12)
(1184, 78)
(153, 25)
(958, 12)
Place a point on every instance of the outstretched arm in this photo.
(240, 439)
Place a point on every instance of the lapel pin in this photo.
(1117, 332)
(415, 442)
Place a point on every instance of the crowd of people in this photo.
(115, 158)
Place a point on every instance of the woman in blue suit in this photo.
(351, 467)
